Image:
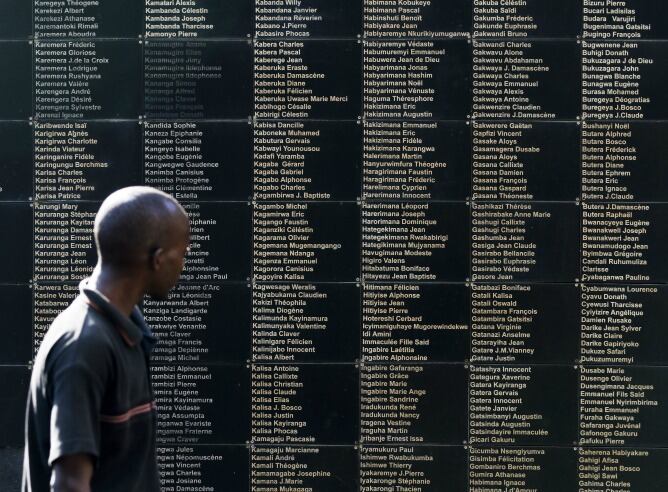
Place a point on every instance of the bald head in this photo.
(133, 223)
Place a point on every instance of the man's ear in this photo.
(156, 258)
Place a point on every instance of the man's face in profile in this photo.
(171, 261)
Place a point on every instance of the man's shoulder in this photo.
(79, 334)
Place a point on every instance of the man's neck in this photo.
(122, 289)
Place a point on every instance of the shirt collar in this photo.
(133, 329)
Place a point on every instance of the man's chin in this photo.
(158, 296)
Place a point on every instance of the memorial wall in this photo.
(427, 248)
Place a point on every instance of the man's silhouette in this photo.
(90, 416)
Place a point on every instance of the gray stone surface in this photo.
(10, 469)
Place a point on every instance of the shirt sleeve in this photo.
(75, 411)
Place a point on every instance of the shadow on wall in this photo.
(11, 461)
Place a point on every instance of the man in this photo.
(90, 417)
